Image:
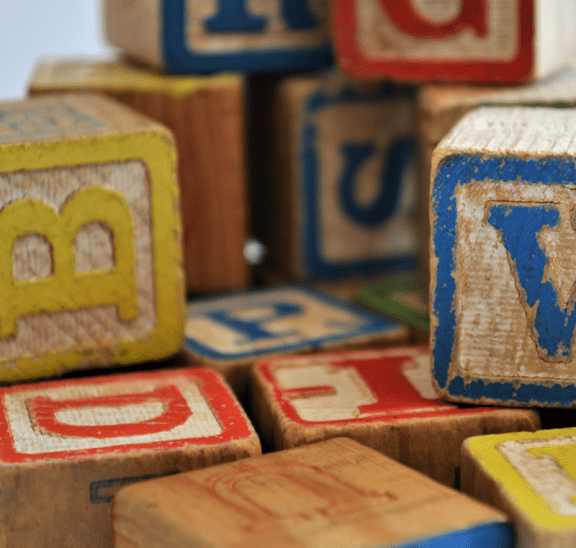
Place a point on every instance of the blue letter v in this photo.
(552, 325)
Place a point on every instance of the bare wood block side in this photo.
(336, 493)
(383, 399)
(440, 106)
(89, 237)
(458, 40)
(530, 477)
(230, 333)
(207, 117)
(68, 446)
(207, 36)
(339, 196)
(502, 210)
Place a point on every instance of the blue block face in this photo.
(285, 319)
(205, 36)
(356, 180)
(504, 299)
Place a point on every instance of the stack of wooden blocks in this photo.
(441, 153)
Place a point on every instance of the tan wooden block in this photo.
(503, 205)
(440, 106)
(504, 41)
(68, 446)
(336, 493)
(90, 237)
(529, 476)
(382, 398)
(232, 332)
(207, 117)
(338, 197)
(207, 36)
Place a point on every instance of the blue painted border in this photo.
(496, 535)
(314, 265)
(179, 59)
(376, 324)
(463, 169)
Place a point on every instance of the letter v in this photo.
(552, 326)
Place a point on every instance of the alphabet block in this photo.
(341, 161)
(440, 106)
(206, 116)
(89, 237)
(530, 477)
(230, 333)
(191, 36)
(336, 493)
(503, 315)
(458, 40)
(382, 398)
(68, 446)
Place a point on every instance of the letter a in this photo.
(473, 15)
(552, 326)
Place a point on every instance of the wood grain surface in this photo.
(336, 493)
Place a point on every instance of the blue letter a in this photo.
(552, 322)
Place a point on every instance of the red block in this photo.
(458, 40)
(382, 398)
(66, 447)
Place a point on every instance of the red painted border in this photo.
(216, 393)
(281, 397)
(354, 63)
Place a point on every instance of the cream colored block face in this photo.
(81, 221)
(492, 36)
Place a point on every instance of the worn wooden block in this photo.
(341, 160)
(457, 40)
(206, 115)
(191, 36)
(403, 299)
(382, 398)
(337, 493)
(529, 476)
(502, 279)
(231, 333)
(440, 106)
(68, 446)
(89, 237)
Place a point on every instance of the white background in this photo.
(30, 29)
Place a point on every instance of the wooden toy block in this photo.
(457, 40)
(68, 446)
(231, 333)
(207, 117)
(336, 493)
(440, 106)
(204, 36)
(502, 209)
(403, 299)
(341, 160)
(89, 237)
(381, 398)
(530, 477)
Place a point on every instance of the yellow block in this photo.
(90, 251)
(532, 476)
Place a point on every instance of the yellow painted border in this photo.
(157, 151)
(118, 77)
(517, 489)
